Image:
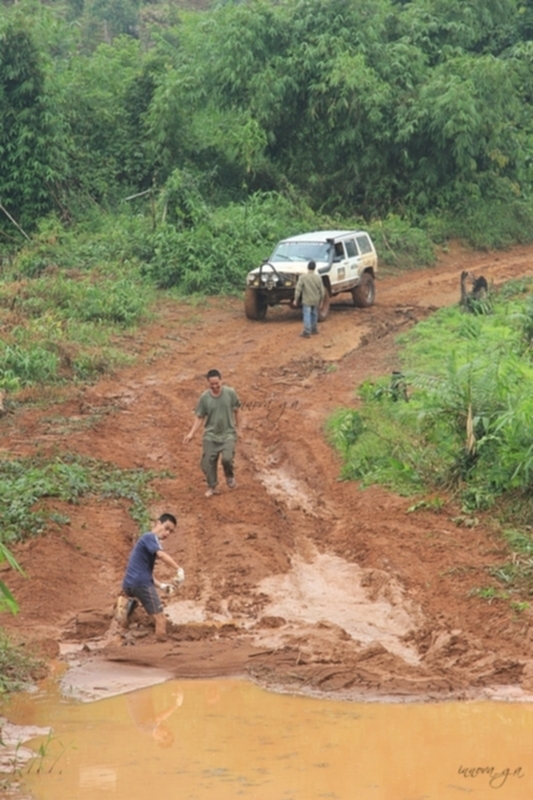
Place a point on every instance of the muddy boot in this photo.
(121, 607)
(124, 609)
(130, 608)
(160, 627)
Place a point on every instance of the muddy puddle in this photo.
(227, 739)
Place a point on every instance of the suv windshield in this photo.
(301, 251)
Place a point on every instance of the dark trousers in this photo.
(211, 451)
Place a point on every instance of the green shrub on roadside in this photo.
(24, 482)
(108, 243)
(401, 244)
(214, 254)
(62, 326)
(97, 298)
(492, 225)
(23, 366)
(77, 354)
(467, 422)
(484, 224)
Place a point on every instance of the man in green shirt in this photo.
(219, 407)
(311, 291)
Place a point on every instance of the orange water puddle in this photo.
(228, 739)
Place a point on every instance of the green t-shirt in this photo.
(218, 413)
(310, 288)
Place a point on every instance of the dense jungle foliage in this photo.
(209, 132)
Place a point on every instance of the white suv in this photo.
(345, 260)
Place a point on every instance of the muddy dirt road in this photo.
(294, 578)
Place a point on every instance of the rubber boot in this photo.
(121, 611)
(160, 627)
(130, 608)
(125, 609)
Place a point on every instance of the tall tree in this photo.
(31, 154)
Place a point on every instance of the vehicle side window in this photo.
(364, 244)
(351, 249)
(339, 252)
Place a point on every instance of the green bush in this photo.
(466, 420)
(22, 366)
(401, 244)
(94, 298)
(111, 243)
(25, 482)
(64, 324)
(215, 255)
(485, 224)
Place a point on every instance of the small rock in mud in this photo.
(271, 622)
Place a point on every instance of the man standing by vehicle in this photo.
(311, 291)
(138, 583)
(219, 407)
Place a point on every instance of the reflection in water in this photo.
(142, 710)
(226, 740)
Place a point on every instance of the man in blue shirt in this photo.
(138, 583)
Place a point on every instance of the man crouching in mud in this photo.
(138, 583)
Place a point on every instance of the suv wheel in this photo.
(255, 305)
(323, 311)
(364, 293)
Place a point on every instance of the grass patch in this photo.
(66, 299)
(517, 573)
(463, 421)
(18, 668)
(25, 483)
(58, 328)
(457, 418)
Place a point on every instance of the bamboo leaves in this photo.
(367, 106)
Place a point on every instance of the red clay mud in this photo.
(295, 578)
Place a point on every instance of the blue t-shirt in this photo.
(141, 561)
